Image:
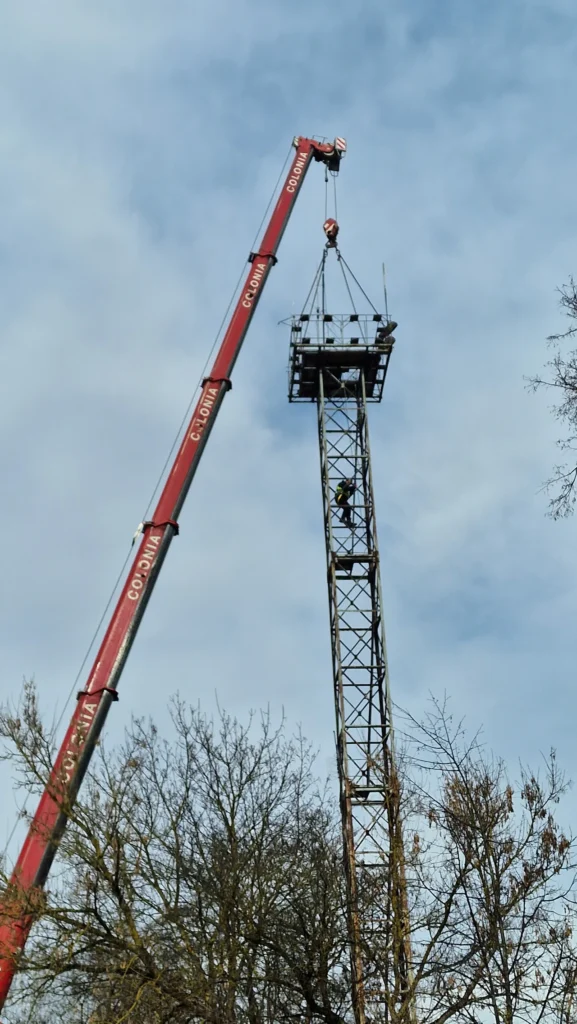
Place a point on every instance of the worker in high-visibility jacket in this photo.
(343, 495)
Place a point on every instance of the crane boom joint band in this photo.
(264, 256)
(102, 689)
(218, 380)
(167, 522)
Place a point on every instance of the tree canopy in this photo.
(201, 879)
(561, 381)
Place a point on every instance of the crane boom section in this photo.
(47, 826)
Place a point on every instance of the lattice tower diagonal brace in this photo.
(369, 791)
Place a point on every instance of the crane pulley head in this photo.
(329, 153)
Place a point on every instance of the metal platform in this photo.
(342, 348)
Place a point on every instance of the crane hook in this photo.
(331, 230)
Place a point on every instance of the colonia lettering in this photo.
(83, 724)
(296, 173)
(253, 285)
(205, 405)
(142, 568)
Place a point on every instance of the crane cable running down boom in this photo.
(93, 702)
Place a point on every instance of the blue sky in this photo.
(139, 148)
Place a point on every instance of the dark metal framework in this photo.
(340, 346)
(341, 363)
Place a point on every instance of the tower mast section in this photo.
(339, 362)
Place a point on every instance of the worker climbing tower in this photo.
(340, 362)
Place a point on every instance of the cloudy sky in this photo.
(140, 143)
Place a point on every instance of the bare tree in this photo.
(201, 880)
(491, 877)
(562, 378)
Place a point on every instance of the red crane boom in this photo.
(49, 822)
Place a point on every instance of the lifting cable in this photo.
(343, 262)
(185, 418)
(347, 286)
(334, 176)
(188, 410)
(319, 277)
(318, 283)
(314, 288)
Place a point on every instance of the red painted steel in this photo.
(34, 862)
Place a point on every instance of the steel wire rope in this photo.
(334, 177)
(214, 344)
(58, 723)
(358, 284)
(314, 288)
(178, 434)
(343, 263)
(19, 817)
(340, 259)
(188, 409)
(324, 296)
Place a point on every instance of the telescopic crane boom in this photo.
(93, 703)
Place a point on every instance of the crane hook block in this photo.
(331, 230)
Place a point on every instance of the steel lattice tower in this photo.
(340, 362)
